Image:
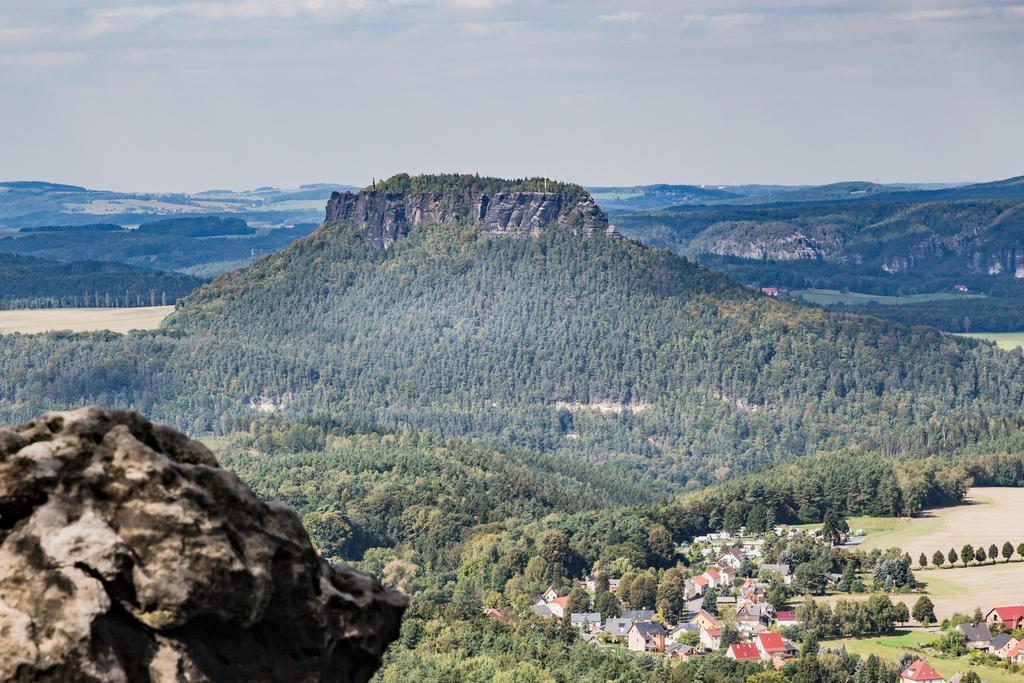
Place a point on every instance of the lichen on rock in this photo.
(128, 554)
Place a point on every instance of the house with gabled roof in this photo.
(976, 636)
(711, 638)
(550, 594)
(781, 569)
(1009, 617)
(617, 627)
(786, 618)
(701, 583)
(646, 636)
(1002, 645)
(773, 645)
(705, 620)
(743, 652)
(713, 577)
(920, 672)
(586, 621)
(732, 558)
(541, 609)
(753, 613)
(559, 606)
(1016, 655)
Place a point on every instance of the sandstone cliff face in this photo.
(128, 554)
(386, 216)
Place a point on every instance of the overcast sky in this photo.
(170, 95)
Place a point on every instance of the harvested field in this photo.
(82, 319)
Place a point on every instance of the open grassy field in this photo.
(828, 297)
(892, 648)
(1004, 340)
(992, 515)
(82, 319)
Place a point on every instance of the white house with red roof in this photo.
(920, 672)
(743, 652)
(713, 577)
(772, 646)
(786, 618)
(1009, 617)
(711, 638)
(559, 606)
(550, 594)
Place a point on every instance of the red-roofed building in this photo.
(713, 577)
(711, 638)
(1016, 655)
(771, 645)
(921, 672)
(786, 618)
(492, 613)
(1009, 617)
(770, 291)
(743, 652)
(559, 606)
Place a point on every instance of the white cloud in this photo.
(624, 17)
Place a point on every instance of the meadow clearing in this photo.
(1004, 340)
(120, 320)
(829, 297)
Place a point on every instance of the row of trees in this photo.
(969, 554)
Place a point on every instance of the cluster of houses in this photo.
(640, 631)
(978, 636)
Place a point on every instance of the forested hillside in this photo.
(592, 347)
(204, 246)
(880, 241)
(30, 282)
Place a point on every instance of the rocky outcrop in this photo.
(128, 554)
(386, 216)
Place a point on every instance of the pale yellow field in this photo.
(993, 516)
(82, 319)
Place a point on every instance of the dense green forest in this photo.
(30, 282)
(595, 348)
(474, 185)
(201, 245)
(963, 315)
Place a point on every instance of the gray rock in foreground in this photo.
(128, 554)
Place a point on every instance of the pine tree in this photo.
(938, 559)
(952, 556)
(1007, 551)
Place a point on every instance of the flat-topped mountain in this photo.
(386, 211)
(595, 347)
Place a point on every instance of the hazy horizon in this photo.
(182, 96)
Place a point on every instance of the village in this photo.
(734, 615)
